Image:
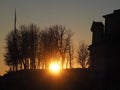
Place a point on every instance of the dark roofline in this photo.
(96, 23)
(115, 12)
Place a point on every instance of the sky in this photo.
(76, 15)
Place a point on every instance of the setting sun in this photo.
(54, 67)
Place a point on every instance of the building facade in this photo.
(105, 48)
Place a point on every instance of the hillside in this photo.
(69, 79)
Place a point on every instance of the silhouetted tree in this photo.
(40, 52)
(70, 49)
(30, 49)
(33, 44)
(25, 48)
(55, 41)
(12, 55)
(61, 39)
(70, 54)
(83, 55)
(54, 53)
(48, 47)
(29, 45)
(44, 38)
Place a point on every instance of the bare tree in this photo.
(55, 42)
(48, 45)
(24, 43)
(83, 55)
(62, 40)
(33, 44)
(40, 52)
(30, 49)
(70, 54)
(29, 45)
(12, 55)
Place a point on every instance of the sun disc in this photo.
(54, 67)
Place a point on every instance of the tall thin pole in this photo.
(15, 21)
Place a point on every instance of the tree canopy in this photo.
(28, 47)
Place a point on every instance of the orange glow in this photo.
(54, 67)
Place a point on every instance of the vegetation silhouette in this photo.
(83, 55)
(29, 48)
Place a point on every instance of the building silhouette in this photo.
(105, 49)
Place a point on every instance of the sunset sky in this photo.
(76, 15)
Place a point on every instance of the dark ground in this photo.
(69, 79)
